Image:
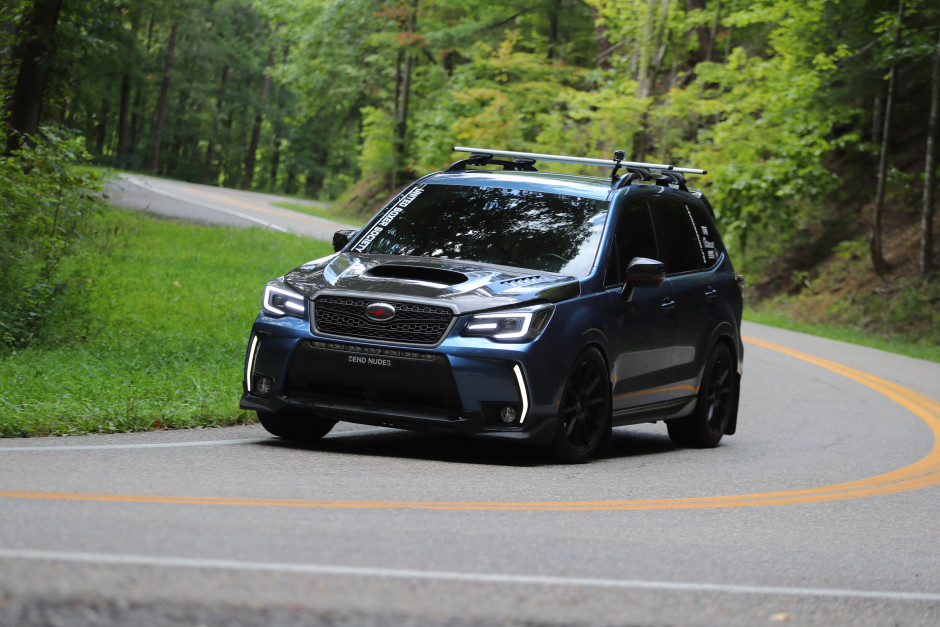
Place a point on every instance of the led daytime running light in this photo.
(481, 323)
(250, 366)
(523, 392)
(292, 301)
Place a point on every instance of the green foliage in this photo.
(47, 212)
(163, 340)
(375, 157)
(780, 100)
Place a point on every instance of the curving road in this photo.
(822, 510)
(214, 205)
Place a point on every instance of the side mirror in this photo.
(642, 272)
(341, 238)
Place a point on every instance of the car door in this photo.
(688, 243)
(643, 324)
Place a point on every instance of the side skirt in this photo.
(653, 413)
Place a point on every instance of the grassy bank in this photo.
(161, 341)
(920, 350)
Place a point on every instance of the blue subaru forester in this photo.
(511, 303)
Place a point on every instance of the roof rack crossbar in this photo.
(607, 163)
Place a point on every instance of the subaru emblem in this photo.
(380, 312)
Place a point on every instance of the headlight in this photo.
(508, 326)
(281, 300)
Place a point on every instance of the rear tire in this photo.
(584, 412)
(715, 408)
(293, 424)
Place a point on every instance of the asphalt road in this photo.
(821, 510)
(213, 205)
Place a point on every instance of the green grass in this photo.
(161, 344)
(921, 350)
(321, 212)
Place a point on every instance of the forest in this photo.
(816, 119)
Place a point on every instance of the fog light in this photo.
(263, 386)
(508, 414)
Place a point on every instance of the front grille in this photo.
(412, 324)
(329, 372)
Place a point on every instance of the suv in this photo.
(513, 304)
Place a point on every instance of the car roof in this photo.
(565, 184)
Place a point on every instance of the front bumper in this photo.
(464, 385)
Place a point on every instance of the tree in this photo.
(33, 53)
(877, 253)
(930, 168)
(162, 102)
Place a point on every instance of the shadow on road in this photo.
(462, 450)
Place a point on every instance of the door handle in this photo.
(710, 293)
(668, 304)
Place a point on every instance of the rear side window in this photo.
(687, 239)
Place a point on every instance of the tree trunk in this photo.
(554, 32)
(604, 48)
(137, 108)
(401, 119)
(930, 169)
(124, 104)
(877, 251)
(33, 53)
(161, 103)
(275, 164)
(101, 128)
(210, 149)
(256, 130)
(124, 108)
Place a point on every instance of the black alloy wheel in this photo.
(584, 413)
(715, 407)
(293, 424)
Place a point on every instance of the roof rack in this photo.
(524, 161)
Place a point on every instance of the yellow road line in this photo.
(922, 474)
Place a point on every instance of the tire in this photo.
(716, 407)
(584, 411)
(292, 424)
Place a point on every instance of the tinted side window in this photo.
(706, 232)
(686, 240)
(635, 237)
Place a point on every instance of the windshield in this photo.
(510, 227)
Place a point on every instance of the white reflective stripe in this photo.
(523, 392)
(252, 352)
(113, 559)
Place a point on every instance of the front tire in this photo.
(584, 412)
(292, 424)
(716, 406)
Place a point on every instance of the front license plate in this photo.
(374, 361)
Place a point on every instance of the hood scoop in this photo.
(437, 276)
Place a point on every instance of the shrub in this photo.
(45, 214)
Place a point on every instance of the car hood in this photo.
(463, 286)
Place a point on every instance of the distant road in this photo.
(216, 205)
